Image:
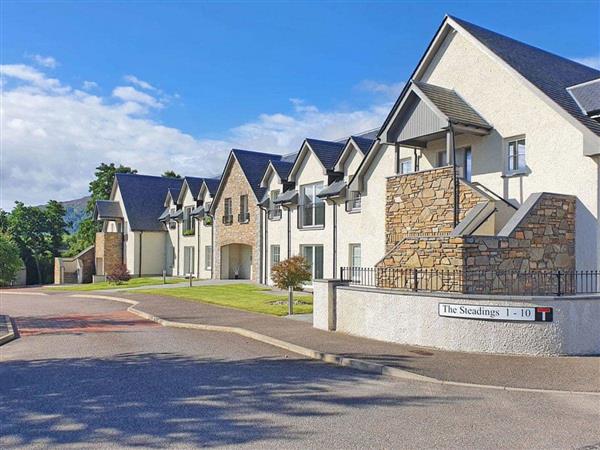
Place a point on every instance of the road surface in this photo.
(88, 374)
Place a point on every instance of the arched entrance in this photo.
(236, 262)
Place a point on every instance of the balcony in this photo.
(353, 205)
(228, 219)
(244, 217)
(274, 214)
(311, 215)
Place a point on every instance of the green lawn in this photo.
(248, 297)
(134, 282)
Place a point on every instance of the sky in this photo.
(175, 85)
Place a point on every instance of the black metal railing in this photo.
(244, 217)
(274, 214)
(485, 282)
(228, 219)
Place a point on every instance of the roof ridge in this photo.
(254, 152)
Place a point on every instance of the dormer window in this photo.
(353, 204)
(274, 209)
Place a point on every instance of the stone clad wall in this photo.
(422, 203)
(109, 248)
(543, 239)
(236, 184)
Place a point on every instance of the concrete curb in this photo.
(8, 291)
(10, 334)
(331, 358)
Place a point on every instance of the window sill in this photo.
(354, 211)
(316, 227)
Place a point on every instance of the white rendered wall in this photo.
(413, 319)
(555, 147)
(277, 229)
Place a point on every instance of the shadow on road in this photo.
(163, 399)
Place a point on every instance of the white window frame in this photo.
(188, 259)
(401, 166)
(273, 253)
(352, 256)
(519, 157)
(315, 201)
(444, 158)
(188, 220)
(314, 259)
(208, 256)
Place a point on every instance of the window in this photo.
(314, 255)
(441, 159)
(228, 212)
(189, 225)
(275, 254)
(208, 257)
(354, 255)
(274, 210)
(244, 216)
(311, 208)
(466, 164)
(188, 260)
(516, 155)
(405, 165)
(354, 203)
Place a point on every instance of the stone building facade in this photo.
(236, 245)
(422, 204)
(109, 252)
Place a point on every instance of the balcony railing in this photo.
(486, 282)
(353, 205)
(244, 217)
(311, 215)
(228, 219)
(274, 214)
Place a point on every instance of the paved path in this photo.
(105, 379)
(565, 373)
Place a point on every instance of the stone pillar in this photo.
(324, 303)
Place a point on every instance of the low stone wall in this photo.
(541, 237)
(413, 319)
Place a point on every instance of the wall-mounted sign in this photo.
(486, 312)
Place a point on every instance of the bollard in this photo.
(164, 277)
(290, 300)
(190, 279)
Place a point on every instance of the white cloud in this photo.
(44, 61)
(391, 90)
(590, 61)
(54, 136)
(135, 99)
(139, 83)
(89, 85)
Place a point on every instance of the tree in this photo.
(10, 262)
(171, 174)
(290, 274)
(3, 221)
(100, 189)
(56, 225)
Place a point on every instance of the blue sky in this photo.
(220, 72)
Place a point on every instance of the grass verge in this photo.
(134, 282)
(247, 297)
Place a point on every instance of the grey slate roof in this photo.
(282, 168)
(164, 216)
(587, 96)
(328, 152)
(198, 211)
(363, 143)
(550, 73)
(107, 209)
(194, 184)
(452, 105)
(290, 196)
(335, 188)
(212, 184)
(143, 198)
(253, 165)
(175, 192)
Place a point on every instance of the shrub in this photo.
(10, 261)
(118, 275)
(291, 272)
